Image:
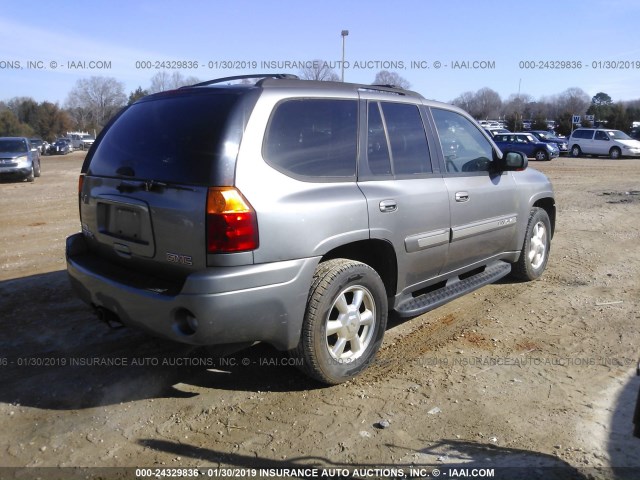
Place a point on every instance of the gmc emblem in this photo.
(181, 259)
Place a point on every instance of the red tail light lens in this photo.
(231, 222)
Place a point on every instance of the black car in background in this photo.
(549, 137)
(59, 147)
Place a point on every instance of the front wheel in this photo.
(541, 155)
(615, 153)
(535, 250)
(32, 174)
(575, 151)
(344, 322)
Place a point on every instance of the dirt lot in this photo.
(533, 375)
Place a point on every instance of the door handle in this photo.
(462, 196)
(387, 206)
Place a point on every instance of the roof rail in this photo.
(242, 77)
(385, 88)
(386, 85)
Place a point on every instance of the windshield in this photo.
(13, 146)
(618, 135)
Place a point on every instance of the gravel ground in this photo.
(534, 379)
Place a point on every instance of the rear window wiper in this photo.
(149, 186)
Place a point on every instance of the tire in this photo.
(535, 249)
(615, 153)
(32, 175)
(575, 151)
(344, 322)
(37, 171)
(541, 155)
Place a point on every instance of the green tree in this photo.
(539, 122)
(52, 121)
(10, 126)
(601, 105)
(618, 118)
(563, 125)
(137, 95)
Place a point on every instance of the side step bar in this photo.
(454, 288)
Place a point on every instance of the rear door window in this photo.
(408, 140)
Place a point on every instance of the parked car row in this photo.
(63, 145)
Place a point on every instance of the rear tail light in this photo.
(231, 222)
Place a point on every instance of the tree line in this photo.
(487, 104)
(93, 101)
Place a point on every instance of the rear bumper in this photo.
(250, 303)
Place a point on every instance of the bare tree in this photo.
(465, 101)
(164, 80)
(517, 103)
(319, 70)
(488, 103)
(93, 101)
(385, 77)
(574, 101)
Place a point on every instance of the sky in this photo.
(443, 48)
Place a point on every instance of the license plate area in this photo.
(122, 222)
(125, 222)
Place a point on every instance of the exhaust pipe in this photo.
(111, 319)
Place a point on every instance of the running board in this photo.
(454, 288)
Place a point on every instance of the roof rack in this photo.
(386, 85)
(385, 88)
(242, 77)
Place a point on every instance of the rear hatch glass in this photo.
(175, 139)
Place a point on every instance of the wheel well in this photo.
(378, 254)
(549, 206)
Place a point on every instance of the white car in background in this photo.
(599, 141)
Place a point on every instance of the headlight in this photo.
(22, 159)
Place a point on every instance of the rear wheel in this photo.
(575, 151)
(344, 323)
(615, 153)
(535, 250)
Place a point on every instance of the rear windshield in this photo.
(171, 139)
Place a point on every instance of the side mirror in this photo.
(513, 161)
